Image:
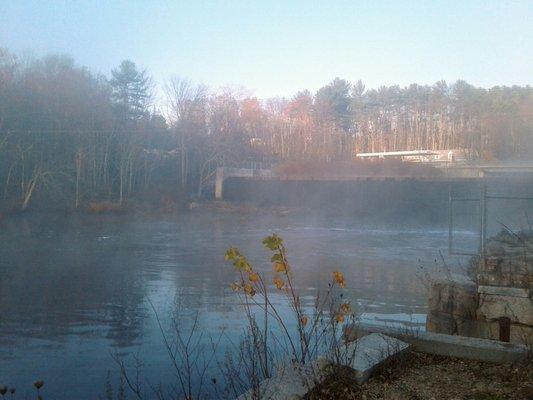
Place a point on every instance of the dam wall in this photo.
(389, 198)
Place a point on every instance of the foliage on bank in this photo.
(69, 136)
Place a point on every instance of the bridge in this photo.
(225, 172)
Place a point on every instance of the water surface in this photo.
(75, 290)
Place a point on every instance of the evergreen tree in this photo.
(131, 90)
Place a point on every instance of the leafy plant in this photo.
(317, 328)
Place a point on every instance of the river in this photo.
(74, 290)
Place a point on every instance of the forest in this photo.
(69, 136)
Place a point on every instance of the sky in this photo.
(276, 48)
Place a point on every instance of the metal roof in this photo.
(399, 153)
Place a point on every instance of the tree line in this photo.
(69, 136)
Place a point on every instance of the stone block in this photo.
(517, 309)
(505, 279)
(451, 301)
(447, 345)
(478, 329)
(290, 383)
(371, 351)
(456, 296)
(491, 264)
(522, 334)
(440, 323)
(503, 291)
(515, 268)
(294, 381)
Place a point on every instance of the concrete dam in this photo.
(423, 199)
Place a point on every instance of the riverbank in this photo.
(423, 377)
(164, 207)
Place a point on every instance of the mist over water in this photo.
(75, 290)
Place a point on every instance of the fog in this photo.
(122, 189)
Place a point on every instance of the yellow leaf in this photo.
(249, 289)
(279, 282)
(345, 307)
(280, 267)
(339, 278)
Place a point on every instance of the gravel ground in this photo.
(420, 376)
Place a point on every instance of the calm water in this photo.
(74, 291)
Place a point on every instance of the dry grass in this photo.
(423, 377)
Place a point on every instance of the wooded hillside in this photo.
(69, 136)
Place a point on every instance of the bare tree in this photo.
(186, 112)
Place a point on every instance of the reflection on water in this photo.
(74, 290)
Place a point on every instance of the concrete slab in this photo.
(371, 351)
(447, 345)
(294, 381)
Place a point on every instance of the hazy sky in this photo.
(280, 47)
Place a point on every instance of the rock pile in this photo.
(497, 303)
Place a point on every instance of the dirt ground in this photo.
(425, 377)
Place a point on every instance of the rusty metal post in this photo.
(505, 329)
